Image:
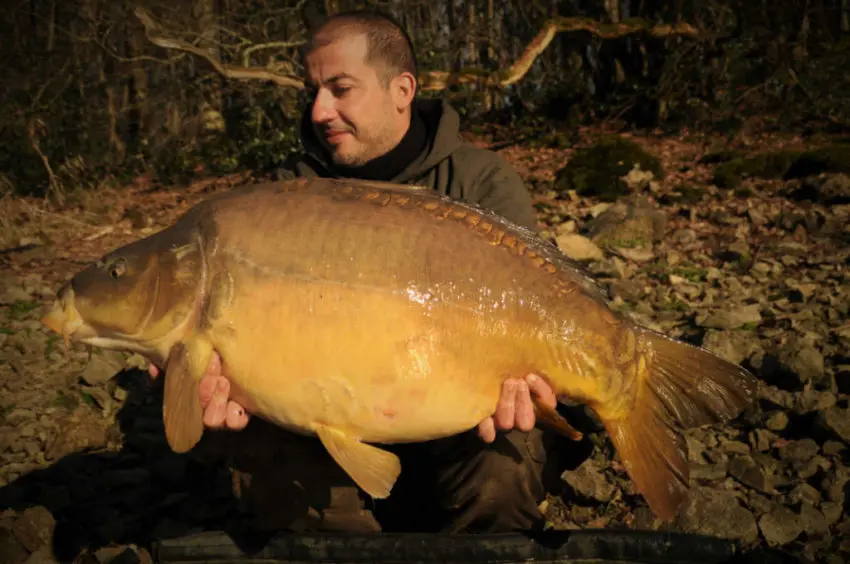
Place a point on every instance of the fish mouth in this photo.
(63, 318)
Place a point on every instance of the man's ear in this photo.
(404, 89)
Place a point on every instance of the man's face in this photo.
(355, 116)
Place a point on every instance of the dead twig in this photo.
(36, 129)
(156, 36)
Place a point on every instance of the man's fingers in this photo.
(206, 389)
(487, 430)
(215, 413)
(524, 419)
(505, 410)
(237, 417)
(538, 387)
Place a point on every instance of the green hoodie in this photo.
(448, 165)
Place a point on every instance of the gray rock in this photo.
(627, 290)
(734, 346)
(836, 420)
(776, 420)
(804, 493)
(100, 396)
(710, 472)
(11, 549)
(759, 503)
(813, 521)
(102, 367)
(589, 482)
(832, 511)
(833, 448)
(778, 397)
(734, 447)
(799, 451)
(579, 248)
(762, 440)
(629, 222)
(684, 236)
(810, 400)
(117, 555)
(809, 468)
(804, 360)
(34, 528)
(825, 188)
(43, 555)
(745, 469)
(834, 485)
(720, 514)
(731, 318)
(737, 251)
(780, 526)
(638, 256)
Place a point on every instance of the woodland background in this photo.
(99, 91)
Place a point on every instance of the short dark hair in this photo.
(389, 47)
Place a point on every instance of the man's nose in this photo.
(323, 110)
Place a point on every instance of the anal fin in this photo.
(181, 408)
(554, 420)
(373, 469)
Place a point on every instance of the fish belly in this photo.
(369, 361)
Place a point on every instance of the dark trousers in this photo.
(452, 485)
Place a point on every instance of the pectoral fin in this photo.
(181, 407)
(555, 420)
(373, 469)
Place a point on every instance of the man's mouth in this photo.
(332, 135)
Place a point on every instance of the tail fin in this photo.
(684, 386)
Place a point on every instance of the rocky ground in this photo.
(761, 276)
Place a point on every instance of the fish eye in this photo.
(117, 268)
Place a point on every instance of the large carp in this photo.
(374, 313)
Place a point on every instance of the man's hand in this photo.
(219, 410)
(515, 407)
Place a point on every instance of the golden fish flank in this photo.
(391, 314)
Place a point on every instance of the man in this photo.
(366, 122)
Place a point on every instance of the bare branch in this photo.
(246, 54)
(154, 34)
(440, 80)
(431, 80)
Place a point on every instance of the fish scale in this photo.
(368, 313)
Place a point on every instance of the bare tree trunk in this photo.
(612, 8)
(331, 7)
(51, 29)
(472, 52)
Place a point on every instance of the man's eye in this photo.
(341, 90)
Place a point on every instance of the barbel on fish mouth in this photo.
(368, 313)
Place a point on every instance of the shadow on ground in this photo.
(141, 493)
(151, 497)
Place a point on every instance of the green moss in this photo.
(673, 305)
(597, 170)
(720, 156)
(833, 158)
(765, 165)
(691, 273)
(683, 194)
(785, 164)
(20, 309)
(637, 243)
